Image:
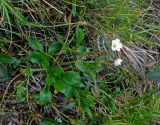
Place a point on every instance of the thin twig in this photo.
(53, 7)
(8, 88)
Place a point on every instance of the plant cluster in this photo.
(61, 62)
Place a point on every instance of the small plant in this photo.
(71, 82)
(79, 62)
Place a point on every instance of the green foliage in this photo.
(70, 105)
(79, 36)
(16, 13)
(47, 121)
(36, 57)
(74, 7)
(20, 91)
(138, 111)
(34, 44)
(68, 83)
(154, 75)
(95, 91)
(55, 46)
(71, 77)
(58, 57)
(57, 71)
(6, 59)
(39, 58)
(81, 66)
(27, 72)
(86, 103)
(81, 49)
(64, 88)
(115, 122)
(44, 97)
(49, 79)
(3, 72)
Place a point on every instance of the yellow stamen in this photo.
(114, 46)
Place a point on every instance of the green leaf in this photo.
(88, 112)
(94, 66)
(27, 72)
(86, 103)
(91, 75)
(36, 57)
(34, 44)
(39, 58)
(154, 75)
(55, 46)
(81, 65)
(3, 72)
(20, 92)
(6, 59)
(47, 121)
(71, 77)
(74, 7)
(15, 12)
(70, 80)
(57, 71)
(111, 105)
(59, 38)
(49, 79)
(45, 64)
(82, 49)
(5, 14)
(95, 91)
(79, 36)
(92, 122)
(70, 105)
(66, 89)
(45, 96)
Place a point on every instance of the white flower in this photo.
(116, 45)
(58, 119)
(117, 62)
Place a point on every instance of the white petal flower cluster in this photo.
(117, 46)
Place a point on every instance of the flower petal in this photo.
(117, 40)
(117, 62)
(120, 45)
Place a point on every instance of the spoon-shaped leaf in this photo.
(154, 75)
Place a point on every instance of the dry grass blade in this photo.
(53, 7)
